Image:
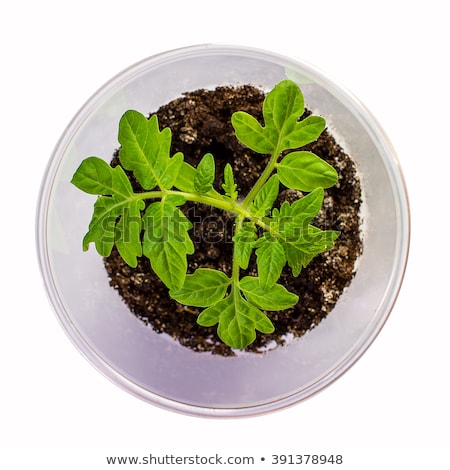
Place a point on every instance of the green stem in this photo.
(265, 175)
(235, 264)
(228, 204)
(223, 204)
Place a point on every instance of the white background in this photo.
(391, 410)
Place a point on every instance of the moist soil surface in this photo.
(201, 123)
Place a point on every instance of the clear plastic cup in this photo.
(153, 366)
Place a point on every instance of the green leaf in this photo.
(250, 133)
(185, 178)
(170, 174)
(270, 258)
(117, 213)
(94, 176)
(308, 206)
(244, 241)
(266, 197)
(283, 106)
(102, 225)
(317, 239)
(229, 186)
(310, 243)
(298, 134)
(204, 174)
(128, 232)
(282, 109)
(282, 130)
(166, 241)
(302, 241)
(185, 181)
(306, 171)
(238, 320)
(275, 298)
(297, 258)
(176, 200)
(293, 219)
(146, 151)
(204, 288)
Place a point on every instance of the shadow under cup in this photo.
(153, 366)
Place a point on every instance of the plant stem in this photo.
(235, 264)
(223, 204)
(262, 179)
(227, 204)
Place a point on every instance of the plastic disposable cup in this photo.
(153, 366)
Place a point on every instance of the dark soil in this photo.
(200, 123)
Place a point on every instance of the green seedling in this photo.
(160, 230)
